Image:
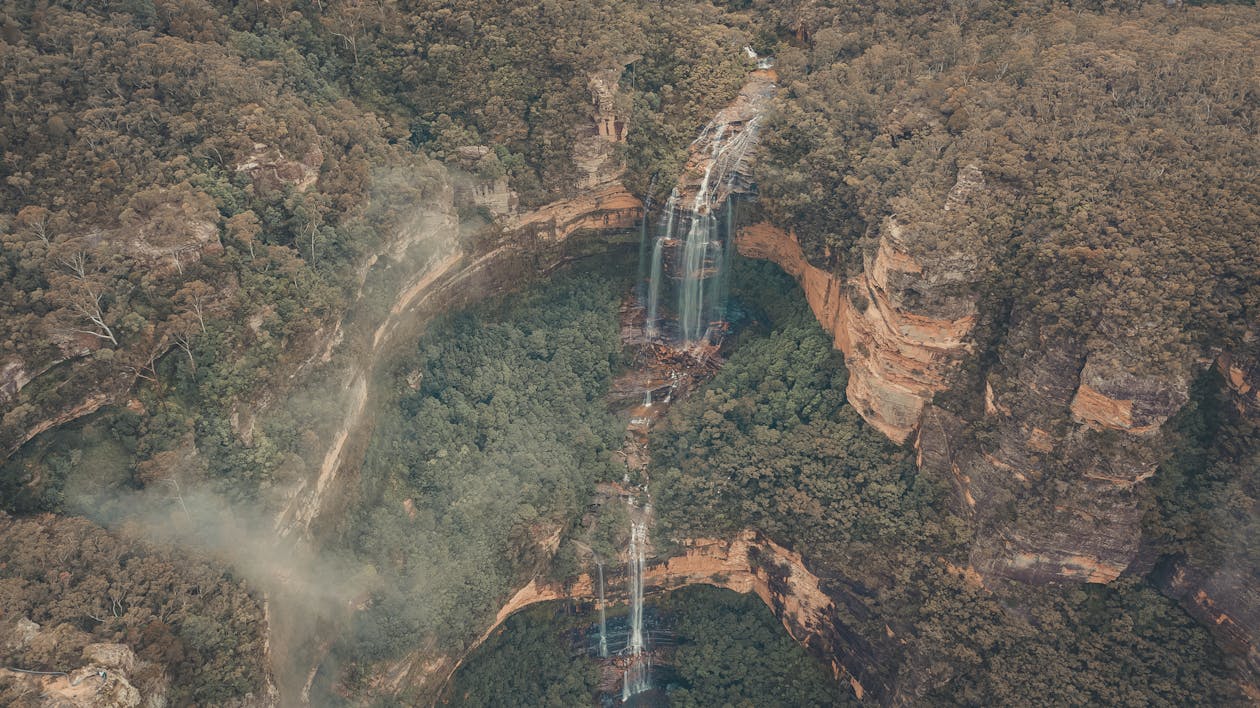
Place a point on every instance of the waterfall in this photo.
(603, 620)
(636, 678)
(644, 249)
(693, 318)
(638, 532)
(656, 269)
(692, 315)
(645, 241)
(700, 263)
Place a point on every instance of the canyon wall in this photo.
(522, 246)
(1057, 424)
(600, 200)
(902, 321)
(1051, 469)
(1226, 596)
(513, 250)
(749, 562)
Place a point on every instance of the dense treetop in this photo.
(1117, 140)
(197, 630)
(771, 444)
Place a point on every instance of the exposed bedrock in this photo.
(1055, 498)
(749, 562)
(1051, 469)
(1226, 595)
(903, 321)
(1227, 601)
(737, 128)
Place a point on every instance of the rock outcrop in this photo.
(736, 128)
(610, 206)
(1242, 378)
(489, 193)
(600, 201)
(1070, 432)
(1110, 398)
(749, 562)
(594, 152)
(100, 682)
(1054, 499)
(268, 168)
(1227, 601)
(899, 352)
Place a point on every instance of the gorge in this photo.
(487, 354)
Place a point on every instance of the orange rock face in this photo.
(1110, 397)
(746, 563)
(611, 206)
(1243, 380)
(897, 359)
(1099, 411)
(1075, 567)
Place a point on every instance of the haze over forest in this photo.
(618, 352)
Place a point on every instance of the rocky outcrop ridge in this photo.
(736, 130)
(1242, 377)
(611, 206)
(746, 563)
(101, 681)
(1227, 601)
(601, 200)
(268, 168)
(898, 356)
(904, 322)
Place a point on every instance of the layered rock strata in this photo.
(898, 355)
(1225, 596)
(1054, 483)
(746, 563)
(600, 201)
(736, 129)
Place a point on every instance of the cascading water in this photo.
(686, 268)
(696, 252)
(700, 263)
(637, 677)
(656, 269)
(603, 619)
(637, 537)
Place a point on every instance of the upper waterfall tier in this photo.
(721, 173)
(691, 243)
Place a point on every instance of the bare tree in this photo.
(176, 493)
(88, 303)
(185, 342)
(198, 296)
(36, 219)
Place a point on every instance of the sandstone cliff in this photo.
(902, 321)
(1225, 595)
(600, 201)
(749, 562)
(1070, 433)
